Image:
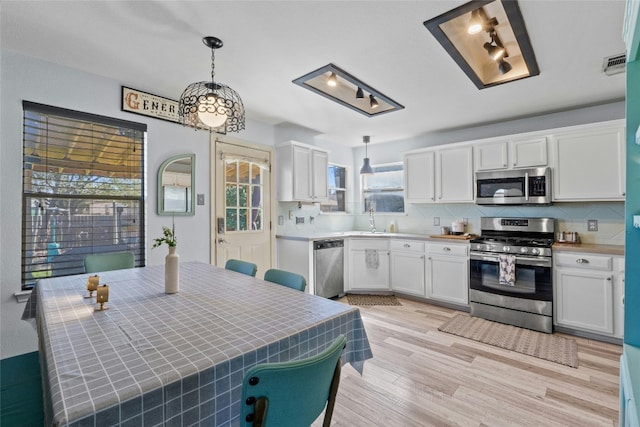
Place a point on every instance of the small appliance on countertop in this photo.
(457, 227)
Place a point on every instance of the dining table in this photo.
(151, 358)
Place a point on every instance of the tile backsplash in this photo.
(419, 218)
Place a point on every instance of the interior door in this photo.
(242, 221)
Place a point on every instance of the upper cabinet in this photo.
(439, 176)
(301, 173)
(590, 164)
(515, 154)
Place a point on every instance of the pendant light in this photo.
(366, 168)
(211, 105)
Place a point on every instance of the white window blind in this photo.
(83, 190)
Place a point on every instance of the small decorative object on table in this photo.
(171, 261)
(102, 296)
(92, 285)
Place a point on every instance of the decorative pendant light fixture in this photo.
(210, 105)
(366, 168)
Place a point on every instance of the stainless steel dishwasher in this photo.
(328, 263)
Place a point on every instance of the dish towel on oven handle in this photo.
(371, 258)
(507, 270)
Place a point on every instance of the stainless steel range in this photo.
(511, 278)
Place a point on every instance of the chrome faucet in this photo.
(372, 220)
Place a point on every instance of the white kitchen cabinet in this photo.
(407, 267)
(515, 154)
(419, 177)
(588, 292)
(448, 272)
(366, 274)
(589, 164)
(301, 172)
(529, 153)
(439, 176)
(491, 156)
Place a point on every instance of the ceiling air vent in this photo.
(614, 64)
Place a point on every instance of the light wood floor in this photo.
(422, 377)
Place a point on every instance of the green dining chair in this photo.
(243, 267)
(109, 261)
(286, 278)
(292, 394)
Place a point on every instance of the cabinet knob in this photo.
(609, 279)
(514, 164)
(582, 261)
(406, 245)
(446, 249)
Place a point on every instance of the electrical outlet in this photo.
(592, 224)
(200, 199)
(311, 220)
(436, 221)
(299, 220)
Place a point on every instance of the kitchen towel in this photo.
(371, 258)
(507, 270)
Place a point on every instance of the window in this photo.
(337, 184)
(383, 191)
(243, 198)
(83, 179)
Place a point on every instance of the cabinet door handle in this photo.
(422, 257)
(446, 249)
(582, 261)
(609, 279)
(406, 245)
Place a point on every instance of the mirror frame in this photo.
(163, 166)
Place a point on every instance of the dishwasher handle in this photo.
(328, 244)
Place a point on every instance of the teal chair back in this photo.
(107, 262)
(243, 267)
(286, 278)
(292, 394)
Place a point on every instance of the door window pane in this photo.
(243, 201)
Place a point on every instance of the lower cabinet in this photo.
(588, 293)
(369, 264)
(407, 267)
(448, 273)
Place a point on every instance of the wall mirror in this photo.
(176, 183)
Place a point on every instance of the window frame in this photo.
(69, 156)
(343, 189)
(365, 190)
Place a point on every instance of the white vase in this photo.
(172, 271)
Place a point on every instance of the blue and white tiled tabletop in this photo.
(159, 359)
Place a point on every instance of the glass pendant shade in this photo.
(208, 111)
(366, 168)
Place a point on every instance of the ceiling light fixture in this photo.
(495, 49)
(210, 105)
(333, 80)
(504, 67)
(451, 30)
(349, 91)
(366, 168)
(475, 23)
(373, 102)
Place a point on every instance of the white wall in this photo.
(24, 78)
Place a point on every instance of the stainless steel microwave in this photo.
(514, 187)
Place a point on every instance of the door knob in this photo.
(221, 241)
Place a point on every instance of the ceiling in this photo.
(156, 46)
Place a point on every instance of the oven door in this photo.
(501, 190)
(533, 276)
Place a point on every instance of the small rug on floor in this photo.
(537, 344)
(359, 299)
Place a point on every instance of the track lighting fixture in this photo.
(496, 51)
(483, 24)
(348, 91)
(366, 168)
(333, 80)
(475, 23)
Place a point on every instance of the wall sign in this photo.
(146, 104)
